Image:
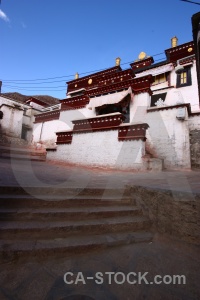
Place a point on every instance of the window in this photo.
(159, 79)
(184, 77)
(122, 107)
(1, 115)
(75, 94)
(158, 99)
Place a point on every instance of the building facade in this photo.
(134, 119)
(17, 119)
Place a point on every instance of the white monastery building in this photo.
(140, 118)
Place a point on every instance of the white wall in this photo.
(16, 115)
(11, 124)
(49, 128)
(10, 102)
(138, 107)
(159, 86)
(101, 149)
(68, 116)
(188, 94)
(46, 132)
(168, 138)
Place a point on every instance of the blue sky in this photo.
(43, 39)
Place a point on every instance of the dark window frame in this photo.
(156, 97)
(1, 115)
(189, 77)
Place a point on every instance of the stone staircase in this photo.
(60, 222)
(13, 151)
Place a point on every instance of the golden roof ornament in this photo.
(174, 42)
(142, 55)
(76, 75)
(117, 61)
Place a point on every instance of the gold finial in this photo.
(142, 55)
(174, 42)
(76, 75)
(117, 61)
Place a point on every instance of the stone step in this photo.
(12, 249)
(23, 156)
(13, 147)
(24, 153)
(17, 150)
(25, 201)
(39, 229)
(69, 213)
(20, 149)
(67, 192)
(48, 220)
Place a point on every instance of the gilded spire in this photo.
(117, 61)
(174, 42)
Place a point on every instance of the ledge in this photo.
(187, 105)
(118, 77)
(98, 117)
(164, 88)
(64, 137)
(74, 102)
(131, 138)
(132, 125)
(51, 149)
(78, 83)
(126, 132)
(193, 114)
(138, 85)
(132, 131)
(90, 129)
(48, 116)
(98, 123)
(179, 52)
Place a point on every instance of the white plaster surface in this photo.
(138, 107)
(46, 131)
(68, 116)
(168, 138)
(159, 86)
(101, 149)
(11, 124)
(7, 101)
(64, 123)
(186, 94)
(16, 116)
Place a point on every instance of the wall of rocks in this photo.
(195, 148)
(172, 212)
(194, 129)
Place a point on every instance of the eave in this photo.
(182, 51)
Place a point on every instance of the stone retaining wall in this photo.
(174, 213)
(195, 148)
